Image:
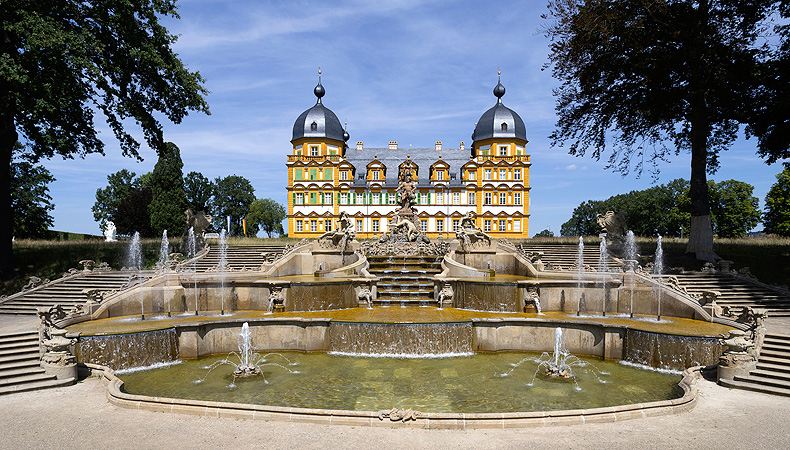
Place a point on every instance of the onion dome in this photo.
(499, 121)
(318, 121)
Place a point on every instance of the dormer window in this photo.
(504, 126)
(314, 126)
(503, 150)
(375, 174)
(440, 175)
(313, 150)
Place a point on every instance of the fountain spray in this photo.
(580, 274)
(659, 270)
(193, 254)
(223, 263)
(134, 260)
(164, 263)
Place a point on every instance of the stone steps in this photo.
(19, 365)
(737, 293)
(756, 386)
(36, 385)
(237, 257)
(566, 255)
(772, 372)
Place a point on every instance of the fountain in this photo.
(580, 276)
(248, 362)
(134, 260)
(223, 266)
(602, 273)
(630, 255)
(192, 254)
(658, 269)
(164, 263)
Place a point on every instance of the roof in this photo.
(327, 124)
(392, 159)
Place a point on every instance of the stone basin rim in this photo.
(462, 421)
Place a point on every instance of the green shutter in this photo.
(327, 174)
(293, 199)
(297, 174)
(313, 174)
(429, 198)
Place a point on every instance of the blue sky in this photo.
(411, 71)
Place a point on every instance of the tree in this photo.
(168, 200)
(267, 215)
(583, 220)
(30, 200)
(733, 208)
(544, 233)
(119, 185)
(637, 74)
(199, 191)
(62, 62)
(132, 215)
(777, 205)
(233, 196)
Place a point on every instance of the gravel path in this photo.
(79, 417)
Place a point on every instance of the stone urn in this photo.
(57, 359)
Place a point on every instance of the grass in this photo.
(767, 258)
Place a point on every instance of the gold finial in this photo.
(319, 70)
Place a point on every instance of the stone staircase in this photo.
(19, 365)
(405, 281)
(736, 293)
(67, 292)
(566, 255)
(772, 374)
(238, 257)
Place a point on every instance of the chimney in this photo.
(438, 146)
(462, 145)
(359, 145)
(393, 145)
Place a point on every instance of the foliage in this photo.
(168, 200)
(119, 185)
(267, 215)
(665, 210)
(233, 196)
(777, 205)
(734, 210)
(638, 74)
(544, 233)
(30, 200)
(199, 191)
(132, 213)
(62, 62)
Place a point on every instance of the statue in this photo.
(407, 192)
(404, 227)
(400, 225)
(109, 231)
(199, 223)
(470, 235)
(341, 236)
(613, 224)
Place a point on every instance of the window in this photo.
(456, 198)
(471, 197)
(313, 174)
(472, 174)
(375, 175)
(517, 225)
(487, 198)
(424, 198)
(439, 198)
(502, 174)
(456, 224)
(502, 225)
(328, 198)
(313, 126)
(300, 198)
(313, 225)
(504, 126)
(502, 198)
(392, 198)
(312, 198)
(299, 226)
(298, 174)
(440, 225)
(313, 150)
(360, 198)
(359, 225)
(344, 198)
(328, 225)
(487, 225)
(375, 225)
(376, 199)
(423, 225)
(440, 175)
(516, 174)
(488, 174)
(344, 175)
(503, 149)
(517, 198)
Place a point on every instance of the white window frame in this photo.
(440, 198)
(423, 225)
(516, 174)
(313, 150)
(327, 198)
(360, 225)
(300, 198)
(487, 174)
(502, 224)
(327, 224)
(456, 224)
(299, 226)
(502, 198)
(440, 225)
(471, 198)
(487, 225)
(503, 150)
(487, 198)
(313, 226)
(502, 174)
(376, 198)
(392, 198)
(360, 198)
(456, 198)
(344, 175)
(517, 226)
(375, 175)
(472, 175)
(517, 198)
(344, 198)
(440, 175)
(374, 225)
(424, 198)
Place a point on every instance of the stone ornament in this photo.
(446, 295)
(34, 282)
(340, 237)
(50, 315)
(399, 415)
(470, 235)
(109, 231)
(276, 299)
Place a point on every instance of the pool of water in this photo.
(481, 383)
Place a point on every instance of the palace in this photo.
(490, 178)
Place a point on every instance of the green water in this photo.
(470, 384)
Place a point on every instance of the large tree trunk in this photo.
(8, 138)
(701, 235)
